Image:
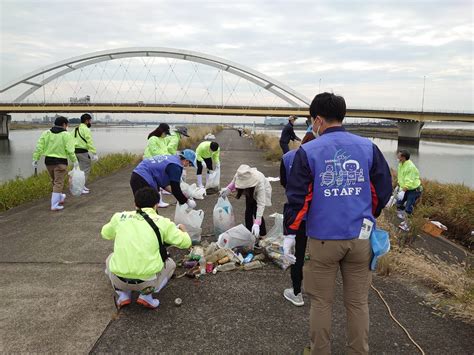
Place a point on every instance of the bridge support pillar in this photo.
(4, 123)
(409, 133)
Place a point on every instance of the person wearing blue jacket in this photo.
(164, 171)
(294, 294)
(340, 182)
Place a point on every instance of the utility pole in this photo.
(423, 97)
(319, 85)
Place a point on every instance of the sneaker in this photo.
(124, 298)
(290, 296)
(404, 226)
(163, 204)
(401, 214)
(86, 188)
(84, 191)
(148, 301)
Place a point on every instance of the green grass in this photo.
(20, 190)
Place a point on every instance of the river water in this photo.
(445, 162)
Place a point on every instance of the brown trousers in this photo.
(353, 258)
(57, 173)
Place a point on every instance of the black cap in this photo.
(165, 127)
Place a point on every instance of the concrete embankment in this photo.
(56, 297)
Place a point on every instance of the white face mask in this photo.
(316, 134)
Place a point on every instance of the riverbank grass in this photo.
(20, 190)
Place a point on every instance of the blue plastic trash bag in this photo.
(380, 243)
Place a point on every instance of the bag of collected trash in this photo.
(272, 244)
(192, 220)
(209, 137)
(223, 216)
(238, 236)
(77, 180)
(193, 191)
(380, 244)
(213, 180)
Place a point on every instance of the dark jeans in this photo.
(300, 249)
(409, 200)
(284, 147)
(251, 213)
(208, 162)
(137, 182)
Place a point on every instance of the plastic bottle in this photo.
(253, 265)
(259, 257)
(202, 265)
(226, 267)
(248, 258)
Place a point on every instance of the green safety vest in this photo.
(203, 151)
(156, 146)
(83, 138)
(408, 175)
(56, 145)
(173, 143)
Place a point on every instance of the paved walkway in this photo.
(56, 298)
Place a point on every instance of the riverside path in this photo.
(56, 297)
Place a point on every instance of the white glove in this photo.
(191, 203)
(400, 195)
(225, 192)
(289, 244)
(76, 165)
(94, 157)
(218, 165)
(35, 164)
(256, 230)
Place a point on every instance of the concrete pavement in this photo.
(56, 297)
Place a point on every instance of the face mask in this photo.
(316, 134)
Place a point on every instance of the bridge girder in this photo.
(68, 65)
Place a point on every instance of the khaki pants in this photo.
(57, 173)
(353, 258)
(84, 163)
(158, 283)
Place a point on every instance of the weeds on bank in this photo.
(196, 136)
(271, 145)
(20, 190)
(452, 284)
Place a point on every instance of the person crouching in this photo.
(140, 261)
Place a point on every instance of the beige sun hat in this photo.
(245, 177)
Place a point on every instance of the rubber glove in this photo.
(35, 164)
(289, 244)
(256, 230)
(76, 165)
(191, 203)
(218, 165)
(94, 157)
(400, 195)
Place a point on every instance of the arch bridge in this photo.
(410, 122)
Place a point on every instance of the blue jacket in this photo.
(336, 180)
(154, 170)
(288, 134)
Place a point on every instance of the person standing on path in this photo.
(340, 182)
(288, 134)
(294, 294)
(207, 152)
(140, 261)
(157, 144)
(57, 146)
(410, 187)
(252, 184)
(173, 140)
(164, 171)
(84, 146)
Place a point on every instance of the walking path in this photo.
(56, 297)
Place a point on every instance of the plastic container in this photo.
(238, 236)
(253, 265)
(226, 267)
(248, 258)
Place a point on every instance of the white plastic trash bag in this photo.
(77, 180)
(238, 236)
(192, 220)
(223, 216)
(192, 191)
(213, 180)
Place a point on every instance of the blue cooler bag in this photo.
(380, 243)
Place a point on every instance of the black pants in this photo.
(297, 267)
(208, 162)
(284, 147)
(137, 182)
(251, 213)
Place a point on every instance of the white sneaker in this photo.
(404, 226)
(163, 204)
(124, 298)
(401, 214)
(148, 301)
(86, 188)
(84, 191)
(290, 296)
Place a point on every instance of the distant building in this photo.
(275, 121)
(80, 100)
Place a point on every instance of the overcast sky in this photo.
(374, 53)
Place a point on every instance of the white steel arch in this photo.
(71, 64)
